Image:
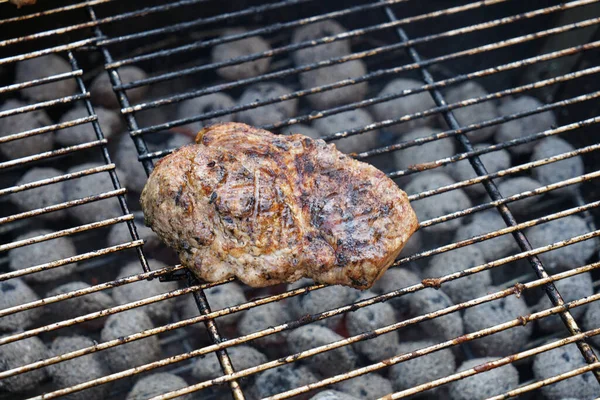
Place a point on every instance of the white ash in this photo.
(91, 185)
(495, 161)
(43, 252)
(263, 317)
(110, 124)
(15, 292)
(335, 73)
(316, 31)
(475, 113)
(572, 288)
(241, 48)
(430, 151)
(366, 387)
(328, 363)
(219, 297)
(440, 204)
(366, 319)
(270, 113)
(131, 168)
(42, 67)
(525, 126)
(405, 105)
(495, 312)
(422, 369)
(558, 361)
(467, 287)
(566, 257)
(203, 105)
(395, 279)
(520, 184)
(80, 369)
(78, 306)
(132, 354)
(24, 122)
(102, 92)
(484, 222)
(591, 320)
(119, 234)
(160, 311)
(242, 357)
(320, 300)
(42, 196)
(429, 300)
(302, 130)
(333, 395)
(157, 384)
(17, 354)
(284, 378)
(485, 384)
(346, 121)
(560, 170)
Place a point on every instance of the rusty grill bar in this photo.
(171, 42)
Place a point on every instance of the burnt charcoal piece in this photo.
(520, 184)
(241, 48)
(430, 151)
(242, 357)
(263, 317)
(21, 123)
(369, 386)
(110, 124)
(333, 395)
(102, 92)
(15, 292)
(281, 379)
(157, 384)
(42, 67)
(396, 279)
(347, 121)
(16, 354)
(272, 209)
(560, 170)
(203, 105)
(591, 320)
(269, 113)
(429, 300)
(485, 384)
(323, 51)
(42, 196)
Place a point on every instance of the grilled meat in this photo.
(270, 209)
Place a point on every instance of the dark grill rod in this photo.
(387, 329)
(300, 45)
(49, 50)
(291, 325)
(140, 145)
(112, 172)
(52, 153)
(367, 77)
(509, 219)
(337, 60)
(48, 128)
(41, 81)
(53, 11)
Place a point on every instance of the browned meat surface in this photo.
(270, 209)
(21, 3)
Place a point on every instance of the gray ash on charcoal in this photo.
(281, 379)
(44, 196)
(132, 354)
(413, 103)
(101, 88)
(91, 185)
(429, 300)
(78, 306)
(558, 361)
(242, 357)
(160, 311)
(333, 395)
(119, 234)
(19, 353)
(516, 185)
(591, 320)
(263, 317)
(396, 279)
(131, 168)
(366, 387)
(323, 51)
(42, 67)
(439, 204)
(495, 312)
(80, 369)
(203, 105)
(43, 252)
(524, 126)
(269, 113)
(566, 257)
(467, 287)
(332, 362)
(15, 292)
(241, 48)
(485, 384)
(422, 369)
(560, 170)
(110, 124)
(475, 113)
(423, 153)
(347, 121)
(316, 301)
(21, 123)
(369, 318)
(157, 384)
(572, 288)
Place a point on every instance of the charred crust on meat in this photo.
(213, 197)
(178, 196)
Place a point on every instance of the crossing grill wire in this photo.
(485, 112)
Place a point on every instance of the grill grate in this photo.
(442, 45)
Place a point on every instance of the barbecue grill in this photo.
(547, 50)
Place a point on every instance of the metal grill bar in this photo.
(53, 11)
(53, 153)
(46, 129)
(506, 214)
(49, 50)
(41, 81)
